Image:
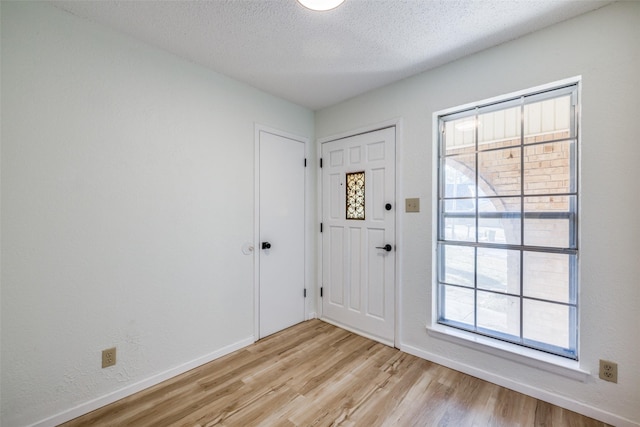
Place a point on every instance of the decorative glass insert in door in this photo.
(355, 195)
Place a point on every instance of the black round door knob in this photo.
(266, 245)
(388, 206)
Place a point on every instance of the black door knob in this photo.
(386, 247)
(388, 206)
(266, 245)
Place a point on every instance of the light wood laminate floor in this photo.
(315, 374)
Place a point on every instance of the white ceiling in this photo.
(317, 59)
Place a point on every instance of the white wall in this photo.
(127, 194)
(602, 46)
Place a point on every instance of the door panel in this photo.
(336, 266)
(376, 275)
(359, 277)
(281, 224)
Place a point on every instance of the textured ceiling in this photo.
(317, 59)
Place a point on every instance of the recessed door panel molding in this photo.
(376, 151)
(355, 267)
(336, 196)
(336, 259)
(378, 197)
(336, 158)
(355, 154)
(377, 258)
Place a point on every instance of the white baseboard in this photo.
(311, 315)
(99, 402)
(537, 393)
(555, 399)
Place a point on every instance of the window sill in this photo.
(526, 356)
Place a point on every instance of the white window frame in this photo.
(566, 362)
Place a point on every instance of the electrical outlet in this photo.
(412, 205)
(608, 371)
(108, 357)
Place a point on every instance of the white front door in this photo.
(280, 245)
(358, 236)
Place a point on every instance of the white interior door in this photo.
(281, 233)
(358, 255)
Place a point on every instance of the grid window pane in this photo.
(499, 172)
(459, 229)
(547, 323)
(459, 265)
(499, 220)
(458, 305)
(547, 276)
(507, 220)
(550, 221)
(499, 128)
(548, 120)
(459, 176)
(499, 313)
(499, 270)
(548, 168)
(460, 134)
(546, 232)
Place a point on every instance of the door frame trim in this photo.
(398, 124)
(256, 221)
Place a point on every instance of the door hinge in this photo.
(320, 162)
(321, 227)
(305, 163)
(305, 292)
(321, 291)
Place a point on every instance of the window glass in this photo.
(459, 308)
(548, 168)
(459, 265)
(508, 220)
(499, 270)
(499, 314)
(499, 128)
(499, 220)
(355, 195)
(548, 276)
(500, 171)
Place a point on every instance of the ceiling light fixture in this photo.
(320, 5)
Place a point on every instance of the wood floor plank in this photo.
(315, 374)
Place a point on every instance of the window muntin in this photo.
(507, 220)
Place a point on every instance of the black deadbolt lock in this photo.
(266, 245)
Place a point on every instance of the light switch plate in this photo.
(412, 205)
